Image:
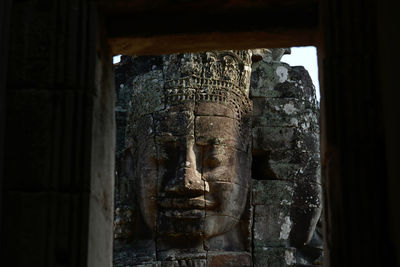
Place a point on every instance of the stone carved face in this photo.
(193, 173)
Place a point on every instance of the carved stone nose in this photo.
(187, 181)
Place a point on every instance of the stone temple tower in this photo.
(217, 161)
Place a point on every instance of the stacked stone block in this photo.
(286, 174)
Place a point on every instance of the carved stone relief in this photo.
(197, 184)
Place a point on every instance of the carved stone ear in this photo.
(305, 212)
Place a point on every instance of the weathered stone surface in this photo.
(187, 132)
(128, 70)
(311, 254)
(219, 130)
(264, 106)
(136, 254)
(130, 67)
(269, 55)
(143, 130)
(185, 263)
(147, 94)
(232, 200)
(279, 80)
(120, 120)
(298, 84)
(285, 112)
(265, 76)
(273, 138)
(284, 171)
(271, 192)
(306, 211)
(311, 172)
(189, 138)
(285, 150)
(308, 195)
(279, 138)
(214, 109)
(174, 124)
(274, 257)
(238, 239)
(272, 225)
(171, 252)
(154, 264)
(231, 259)
(123, 222)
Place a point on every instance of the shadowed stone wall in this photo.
(286, 192)
(286, 164)
(58, 196)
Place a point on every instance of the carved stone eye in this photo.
(213, 161)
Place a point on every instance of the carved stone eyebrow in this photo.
(208, 140)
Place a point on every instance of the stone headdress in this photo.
(188, 80)
(219, 77)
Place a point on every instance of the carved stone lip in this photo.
(198, 203)
(184, 214)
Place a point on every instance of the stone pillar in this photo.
(353, 126)
(60, 137)
(388, 25)
(5, 7)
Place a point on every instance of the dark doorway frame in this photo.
(359, 141)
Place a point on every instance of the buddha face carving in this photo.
(192, 158)
(194, 174)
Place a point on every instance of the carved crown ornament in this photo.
(218, 77)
